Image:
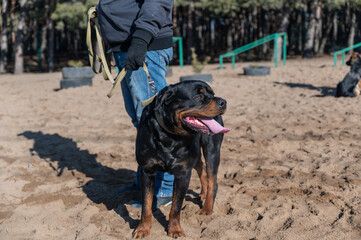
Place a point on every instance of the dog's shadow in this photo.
(324, 91)
(65, 155)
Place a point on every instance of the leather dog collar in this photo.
(160, 120)
(161, 123)
(157, 116)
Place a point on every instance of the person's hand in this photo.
(136, 54)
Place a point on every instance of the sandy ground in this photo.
(290, 167)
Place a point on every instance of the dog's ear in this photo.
(165, 97)
(349, 62)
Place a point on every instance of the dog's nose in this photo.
(222, 103)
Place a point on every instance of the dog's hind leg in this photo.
(180, 187)
(211, 152)
(203, 177)
(147, 187)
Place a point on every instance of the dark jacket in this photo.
(150, 20)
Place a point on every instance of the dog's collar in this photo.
(161, 123)
(160, 120)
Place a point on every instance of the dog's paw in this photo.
(202, 196)
(176, 232)
(141, 232)
(205, 211)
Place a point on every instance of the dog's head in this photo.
(356, 65)
(189, 108)
(352, 59)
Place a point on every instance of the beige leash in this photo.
(104, 59)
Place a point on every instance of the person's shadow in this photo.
(324, 91)
(105, 182)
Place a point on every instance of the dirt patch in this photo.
(290, 167)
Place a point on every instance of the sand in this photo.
(290, 168)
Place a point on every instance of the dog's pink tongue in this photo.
(214, 126)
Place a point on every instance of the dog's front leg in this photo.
(180, 187)
(147, 182)
(212, 164)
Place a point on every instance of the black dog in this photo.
(350, 86)
(184, 119)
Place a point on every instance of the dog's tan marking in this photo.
(174, 228)
(357, 89)
(207, 208)
(145, 223)
(203, 177)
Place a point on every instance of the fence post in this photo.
(284, 49)
(180, 49)
(276, 50)
(181, 52)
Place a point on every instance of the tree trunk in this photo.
(51, 46)
(282, 28)
(12, 28)
(189, 33)
(325, 37)
(310, 36)
(213, 37)
(35, 39)
(76, 42)
(318, 28)
(335, 31)
(229, 29)
(266, 27)
(302, 30)
(351, 36)
(44, 30)
(4, 39)
(255, 27)
(19, 57)
(42, 46)
(243, 28)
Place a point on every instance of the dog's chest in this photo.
(173, 156)
(177, 155)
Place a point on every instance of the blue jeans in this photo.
(135, 89)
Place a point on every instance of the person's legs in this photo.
(135, 89)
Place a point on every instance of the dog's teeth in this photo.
(197, 121)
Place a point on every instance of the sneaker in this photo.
(157, 202)
(161, 201)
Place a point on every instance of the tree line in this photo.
(43, 35)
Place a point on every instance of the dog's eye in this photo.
(199, 97)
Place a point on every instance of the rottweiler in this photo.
(350, 86)
(183, 120)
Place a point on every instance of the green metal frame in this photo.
(180, 47)
(272, 37)
(343, 51)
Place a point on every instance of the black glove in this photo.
(136, 54)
